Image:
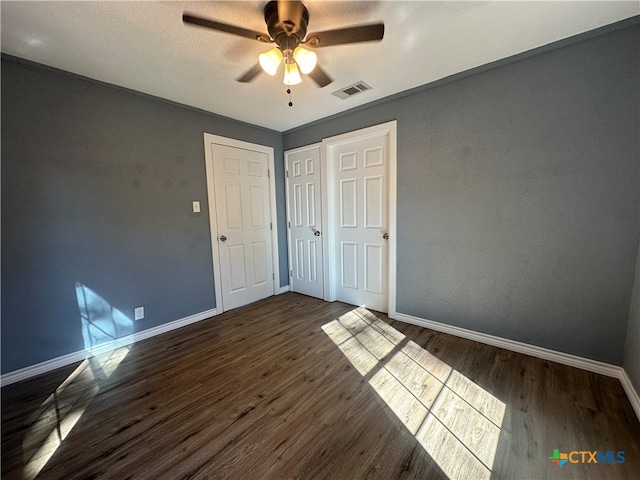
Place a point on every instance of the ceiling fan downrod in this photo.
(286, 23)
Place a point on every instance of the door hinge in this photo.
(291, 273)
(268, 173)
(271, 225)
(289, 224)
(273, 275)
(287, 172)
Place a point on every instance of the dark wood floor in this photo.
(293, 387)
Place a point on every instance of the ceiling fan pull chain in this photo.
(289, 92)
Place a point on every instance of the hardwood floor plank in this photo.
(296, 388)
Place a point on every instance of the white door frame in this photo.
(329, 198)
(210, 139)
(288, 206)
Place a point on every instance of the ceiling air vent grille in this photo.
(351, 90)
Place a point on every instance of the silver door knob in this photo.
(385, 236)
(223, 238)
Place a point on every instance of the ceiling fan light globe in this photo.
(305, 59)
(291, 74)
(270, 61)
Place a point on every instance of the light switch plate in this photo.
(138, 313)
(196, 207)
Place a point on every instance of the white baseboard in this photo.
(284, 289)
(44, 367)
(513, 345)
(594, 366)
(68, 359)
(632, 393)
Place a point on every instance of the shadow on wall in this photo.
(456, 422)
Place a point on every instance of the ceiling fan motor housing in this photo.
(287, 23)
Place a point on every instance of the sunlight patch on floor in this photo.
(52, 422)
(59, 413)
(56, 417)
(363, 338)
(456, 421)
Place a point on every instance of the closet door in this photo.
(304, 211)
(242, 213)
(360, 221)
(244, 227)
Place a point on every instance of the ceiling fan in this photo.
(287, 26)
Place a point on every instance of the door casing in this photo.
(209, 140)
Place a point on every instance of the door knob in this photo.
(385, 236)
(316, 233)
(223, 238)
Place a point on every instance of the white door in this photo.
(358, 172)
(304, 207)
(243, 213)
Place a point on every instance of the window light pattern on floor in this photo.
(456, 421)
(59, 413)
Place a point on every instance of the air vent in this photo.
(351, 90)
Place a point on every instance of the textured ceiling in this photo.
(145, 46)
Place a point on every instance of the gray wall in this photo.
(97, 184)
(518, 195)
(632, 345)
(518, 200)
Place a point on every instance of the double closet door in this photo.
(338, 218)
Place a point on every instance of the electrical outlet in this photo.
(138, 313)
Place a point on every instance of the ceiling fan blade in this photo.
(320, 77)
(361, 33)
(224, 27)
(250, 74)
